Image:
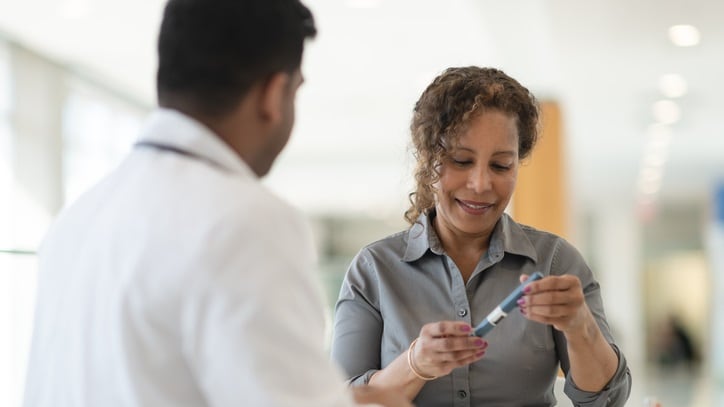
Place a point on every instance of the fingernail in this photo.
(479, 342)
(521, 301)
(465, 328)
(527, 289)
(479, 354)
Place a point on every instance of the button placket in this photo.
(459, 289)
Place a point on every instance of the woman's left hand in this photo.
(557, 301)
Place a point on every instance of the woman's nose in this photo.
(479, 180)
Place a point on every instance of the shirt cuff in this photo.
(615, 393)
(363, 379)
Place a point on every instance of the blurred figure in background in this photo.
(406, 305)
(675, 346)
(179, 280)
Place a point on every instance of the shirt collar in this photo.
(418, 239)
(508, 236)
(176, 130)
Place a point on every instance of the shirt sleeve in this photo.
(358, 323)
(568, 260)
(614, 394)
(254, 325)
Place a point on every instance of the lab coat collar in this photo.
(178, 131)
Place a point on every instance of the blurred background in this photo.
(630, 169)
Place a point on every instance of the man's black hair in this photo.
(212, 51)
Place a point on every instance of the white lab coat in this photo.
(180, 281)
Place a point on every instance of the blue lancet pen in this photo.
(502, 310)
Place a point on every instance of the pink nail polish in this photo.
(465, 328)
(527, 289)
(521, 301)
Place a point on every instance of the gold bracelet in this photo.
(412, 364)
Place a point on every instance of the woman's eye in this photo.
(461, 162)
(501, 167)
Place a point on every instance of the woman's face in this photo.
(478, 176)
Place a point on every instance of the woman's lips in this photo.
(474, 208)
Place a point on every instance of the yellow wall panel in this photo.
(541, 195)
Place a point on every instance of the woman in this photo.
(407, 303)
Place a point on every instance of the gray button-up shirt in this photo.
(396, 285)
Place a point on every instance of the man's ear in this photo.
(273, 94)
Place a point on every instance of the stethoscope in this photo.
(175, 150)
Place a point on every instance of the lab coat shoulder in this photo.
(256, 295)
(245, 220)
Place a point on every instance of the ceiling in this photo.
(600, 59)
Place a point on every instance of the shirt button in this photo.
(462, 312)
(462, 394)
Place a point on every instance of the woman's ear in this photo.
(272, 97)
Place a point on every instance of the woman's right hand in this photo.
(445, 345)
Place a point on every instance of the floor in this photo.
(677, 387)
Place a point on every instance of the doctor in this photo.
(179, 280)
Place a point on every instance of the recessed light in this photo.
(659, 134)
(684, 35)
(363, 3)
(75, 9)
(672, 85)
(666, 112)
(651, 175)
(656, 158)
(650, 187)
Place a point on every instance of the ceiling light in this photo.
(672, 85)
(684, 35)
(659, 137)
(650, 187)
(658, 131)
(363, 3)
(666, 112)
(656, 158)
(75, 9)
(651, 174)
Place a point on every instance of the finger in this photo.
(441, 363)
(453, 344)
(554, 283)
(462, 357)
(531, 316)
(433, 352)
(468, 359)
(463, 361)
(446, 328)
(550, 311)
(559, 323)
(549, 298)
(473, 358)
(456, 357)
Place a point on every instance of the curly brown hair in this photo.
(444, 110)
